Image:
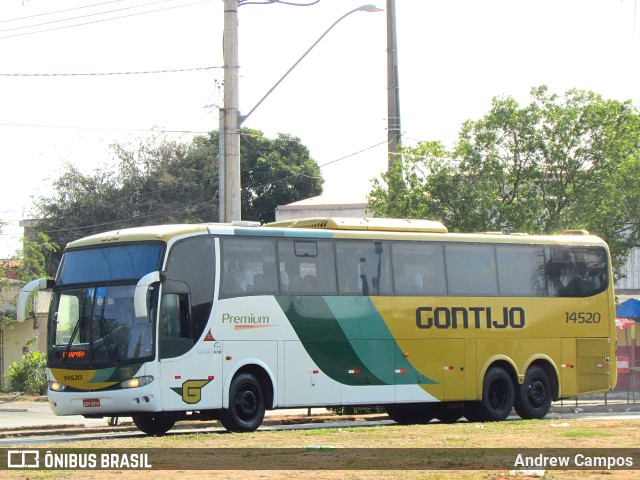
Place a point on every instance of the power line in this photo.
(106, 74)
(71, 127)
(84, 16)
(104, 20)
(353, 154)
(59, 11)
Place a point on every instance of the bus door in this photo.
(190, 358)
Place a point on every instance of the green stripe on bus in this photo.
(325, 341)
(115, 374)
(372, 341)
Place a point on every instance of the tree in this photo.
(31, 260)
(561, 162)
(160, 181)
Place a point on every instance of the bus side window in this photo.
(521, 270)
(471, 269)
(561, 272)
(248, 267)
(364, 267)
(175, 331)
(590, 271)
(307, 267)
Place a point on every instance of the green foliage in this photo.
(33, 256)
(30, 375)
(561, 162)
(31, 260)
(159, 181)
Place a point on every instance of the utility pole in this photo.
(393, 94)
(229, 133)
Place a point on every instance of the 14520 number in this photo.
(582, 317)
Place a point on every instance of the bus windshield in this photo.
(109, 263)
(92, 319)
(97, 325)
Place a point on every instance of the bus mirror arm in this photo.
(27, 290)
(142, 288)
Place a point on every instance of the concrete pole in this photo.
(230, 196)
(221, 171)
(393, 94)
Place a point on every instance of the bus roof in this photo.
(336, 227)
(375, 224)
(138, 234)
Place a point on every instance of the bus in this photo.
(225, 321)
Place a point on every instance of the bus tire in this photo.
(410, 414)
(155, 425)
(498, 396)
(246, 405)
(533, 398)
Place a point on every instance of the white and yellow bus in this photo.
(224, 321)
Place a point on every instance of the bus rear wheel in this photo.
(498, 396)
(246, 405)
(533, 398)
(155, 425)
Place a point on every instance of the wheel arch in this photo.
(264, 375)
(501, 361)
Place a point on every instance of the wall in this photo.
(631, 283)
(14, 337)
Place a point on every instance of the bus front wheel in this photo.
(498, 396)
(156, 425)
(533, 397)
(246, 405)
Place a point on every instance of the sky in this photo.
(454, 57)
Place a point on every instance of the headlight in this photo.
(136, 382)
(56, 386)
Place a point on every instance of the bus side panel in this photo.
(454, 369)
(192, 381)
(304, 382)
(517, 352)
(568, 371)
(377, 384)
(470, 363)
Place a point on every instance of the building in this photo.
(13, 338)
(325, 206)
(630, 284)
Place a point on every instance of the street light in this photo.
(363, 8)
(231, 120)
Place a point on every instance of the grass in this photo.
(574, 433)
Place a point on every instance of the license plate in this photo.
(91, 402)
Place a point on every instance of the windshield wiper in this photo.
(73, 336)
(104, 330)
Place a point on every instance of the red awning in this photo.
(622, 323)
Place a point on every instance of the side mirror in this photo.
(141, 291)
(27, 290)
